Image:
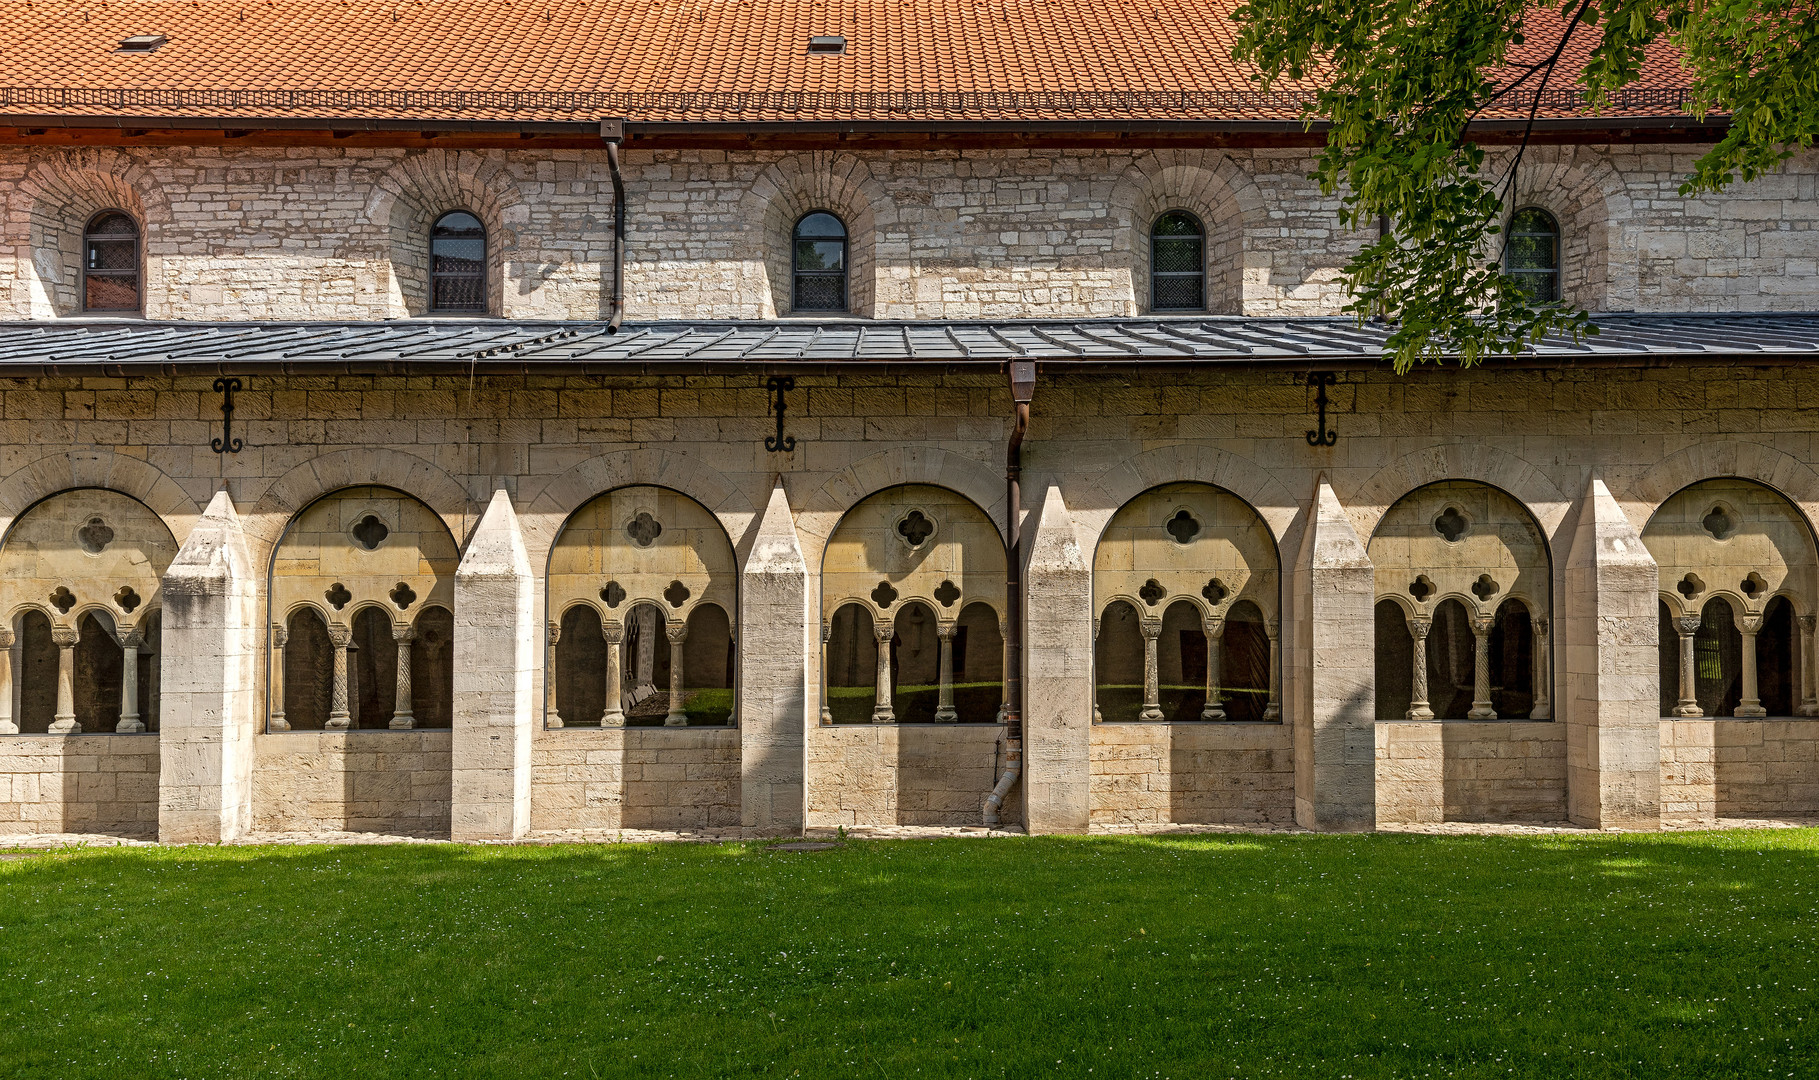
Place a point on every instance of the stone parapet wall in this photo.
(903, 774)
(360, 781)
(1460, 770)
(1198, 774)
(325, 234)
(79, 784)
(1739, 768)
(635, 778)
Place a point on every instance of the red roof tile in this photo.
(654, 60)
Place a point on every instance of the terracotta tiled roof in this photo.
(652, 59)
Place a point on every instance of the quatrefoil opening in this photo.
(947, 592)
(1485, 587)
(1215, 592)
(403, 595)
(1753, 585)
(94, 536)
(1183, 527)
(613, 594)
(1451, 525)
(1152, 592)
(884, 596)
(915, 528)
(337, 596)
(1421, 588)
(676, 594)
(1690, 586)
(63, 599)
(127, 599)
(370, 532)
(1718, 522)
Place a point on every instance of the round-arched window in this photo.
(818, 263)
(110, 263)
(1533, 254)
(1177, 263)
(457, 251)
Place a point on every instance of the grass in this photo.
(1203, 956)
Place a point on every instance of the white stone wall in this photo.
(549, 444)
(314, 234)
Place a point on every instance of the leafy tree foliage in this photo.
(1400, 81)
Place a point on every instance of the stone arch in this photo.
(546, 513)
(1215, 189)
(311, 480)
(96, 468)
(822, 180)
(820, 513)
(1772, 468)
(422, 187)
(59, 195)
(1182, 463)
(1583, 192)
(1500, 469)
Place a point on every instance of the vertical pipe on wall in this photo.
(612, 166)
(1023, 391)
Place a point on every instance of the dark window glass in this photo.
(110, 264)
(819, 270)
(1533, 254)
(1177, 263)
(457, 251)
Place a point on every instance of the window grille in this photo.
(1532, 256)
(110, 263)
(1177, 263)
(819, 263)
(458, 263)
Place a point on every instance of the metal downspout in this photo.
(1023, 389)
(612, 165)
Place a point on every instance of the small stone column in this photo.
(1215, 705)
(9, 724)
(340, 635)
(614, 716)
(1152, 676)
(677, 632)
(1543, 664)
(275, 720)
(1751, 705)
(827, 712)
(1418, 707)
(1809, 693)
(64, 722)
(1481, 675)
(402, 718)
(1273, 711)
(551, 718)
(1688, 625)
(944, 702)
(882, 713)
(129, 683)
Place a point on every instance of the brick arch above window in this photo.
(59, 196)
(418, 191)
(794, 186)
(1586, 196)
(1216, 191)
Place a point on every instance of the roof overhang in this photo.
(435, 345)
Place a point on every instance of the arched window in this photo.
(819, 263)
(1533, 254)
(110, 263)
(457, 251)
(1177, 263)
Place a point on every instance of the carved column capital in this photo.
(555, 633)
(131, 638)
(340, 635)
(1540, 624)
(403, 632)
(65, 636)
(884, 631)
(677, 632)
(6, 639)
(1482, 624)
(1809, 622)
(613, 632)
(1750, 624)
(1151, 628)
(1215, 626)
(1419, 625)
(946, 630)
(1273, 628)
(281, 635)
(827, 632)
(1688, 625)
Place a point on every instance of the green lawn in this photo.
(1205, 956)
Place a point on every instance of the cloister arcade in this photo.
(362, 601)
(1463, 586)
(643, 591)
(913, 608)
(81, 577)
(1187, 610)
(1737, 565)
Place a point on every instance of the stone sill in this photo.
(1188, 723)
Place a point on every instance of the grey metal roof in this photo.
(108, 344)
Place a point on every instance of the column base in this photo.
(883, 716)
(1213, 712)
(827, 718)
(65, 725)
(946, 716)
(1484, 713)
(551, 720)
(1687, 711)
(338, 723)
(675, 720)
(1810, 708)
(277, 722)
(8, 728)
(1272, 712)
(1422, 713)
(616, 718)
(130, 727)
(1751, 711)
(1542, 712)
(402, 723)
(1150, 713)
